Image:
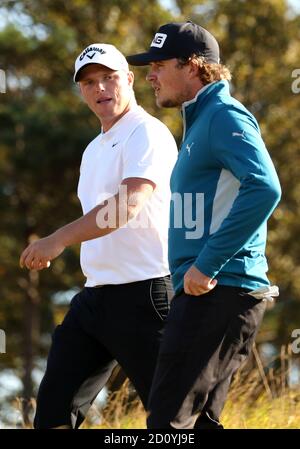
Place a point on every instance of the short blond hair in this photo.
(208, 72)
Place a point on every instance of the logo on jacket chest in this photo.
(189, 147)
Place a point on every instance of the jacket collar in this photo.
(191, 109)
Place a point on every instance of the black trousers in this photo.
(206, 338)
(105, 325)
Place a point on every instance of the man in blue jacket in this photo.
(224, 189)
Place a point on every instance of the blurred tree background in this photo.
(44, 128)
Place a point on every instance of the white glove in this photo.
(265, 293)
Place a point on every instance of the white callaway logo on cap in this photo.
(104, 54)
(159, 40)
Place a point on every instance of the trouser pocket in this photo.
(161, 293)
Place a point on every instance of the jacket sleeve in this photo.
(237, 146)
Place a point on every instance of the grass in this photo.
(239, 413)
(259, 398)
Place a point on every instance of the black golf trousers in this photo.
(206, 338)
(104, 325)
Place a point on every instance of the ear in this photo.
(130, 77)
(193, 69)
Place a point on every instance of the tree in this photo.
(44, 127)
(44, 130)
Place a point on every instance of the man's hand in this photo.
(196, 283)
(38, 254)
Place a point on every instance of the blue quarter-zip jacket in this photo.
(224, 188)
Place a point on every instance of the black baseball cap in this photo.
(175, 40)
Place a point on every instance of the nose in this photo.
(100, 86)
(151, 76)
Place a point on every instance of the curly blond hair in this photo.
(208, 72)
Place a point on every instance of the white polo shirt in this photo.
(141, 146)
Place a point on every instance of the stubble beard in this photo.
(167, 104)
(172, 102)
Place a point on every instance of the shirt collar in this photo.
(114, 129)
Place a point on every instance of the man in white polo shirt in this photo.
(124, 191)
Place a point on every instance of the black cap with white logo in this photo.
(175, 40)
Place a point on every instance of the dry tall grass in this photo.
(259, 398)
